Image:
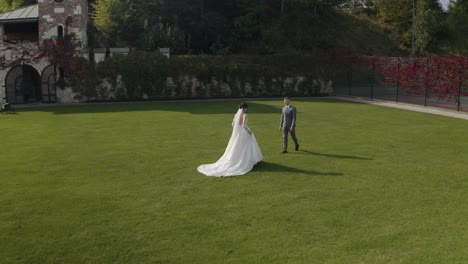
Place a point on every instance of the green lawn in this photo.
(117, 183)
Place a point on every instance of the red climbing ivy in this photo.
(441, 76)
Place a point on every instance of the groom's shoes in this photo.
(284, 151)
(297, 147)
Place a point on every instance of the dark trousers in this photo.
(286, 130)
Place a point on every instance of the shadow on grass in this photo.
(333, 155)
(193, 107)
(196, 107)
(330, 99)
(268, 166)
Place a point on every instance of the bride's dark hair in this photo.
(243, 105)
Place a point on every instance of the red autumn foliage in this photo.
(65, 52)
(439, 76)
(62, 51)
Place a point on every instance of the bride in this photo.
(242, 151)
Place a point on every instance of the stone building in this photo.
(25, 75)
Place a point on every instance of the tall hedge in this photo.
(145, 75)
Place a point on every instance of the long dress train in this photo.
(241, 154)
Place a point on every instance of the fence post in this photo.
(55, 84)
(425, 81)
(397, 79)
(372, 80)
(459, 88)
(350, 76)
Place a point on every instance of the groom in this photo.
(288, 124)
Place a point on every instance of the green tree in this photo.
(163, 34)
(397, 14)
(121, 22)
(106, 17)
(457, 26)
(458, 6)
(428, 26)
(7, 5)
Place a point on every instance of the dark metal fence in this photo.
(433, 81)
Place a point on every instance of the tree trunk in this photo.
(282, 7)
(202, 11)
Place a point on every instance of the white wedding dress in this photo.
(241, 154)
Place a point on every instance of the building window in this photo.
(58, 1)
(60, 31)
(21, 31)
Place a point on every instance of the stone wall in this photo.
(66, 96)
(191, 87)
(2, 88)
(53, 14)
(13, 54)
(23, 51)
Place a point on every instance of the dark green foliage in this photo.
(148, 75)
(457, 27)
(7, 5)
(231, 27)
(223, 27)
(144, 73)
(285, 26)
(85, 78)
(428, 26)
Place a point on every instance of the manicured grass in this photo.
(117, 183)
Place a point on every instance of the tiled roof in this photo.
(28, 13)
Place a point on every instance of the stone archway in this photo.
(22, 85)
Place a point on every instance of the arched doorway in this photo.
(49, 84)
(22, 85)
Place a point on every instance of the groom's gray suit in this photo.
(288, 121)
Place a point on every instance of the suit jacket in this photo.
(288, 117)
